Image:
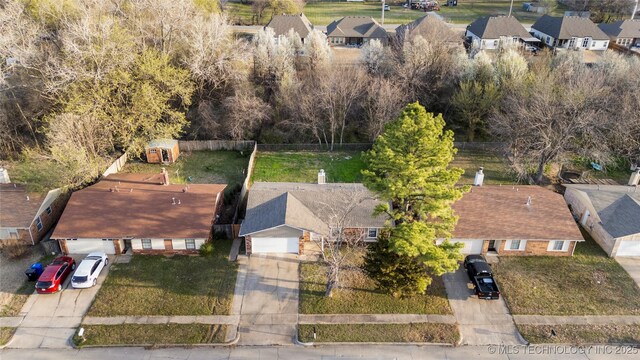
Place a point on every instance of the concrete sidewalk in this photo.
(199, 319)
(577, 320)
(375, 319)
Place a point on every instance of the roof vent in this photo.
(173, 201)
(529, 200)
(321, 177)
(165, 177)
(477, 181)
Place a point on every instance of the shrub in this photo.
(14, 248)
(206, 249)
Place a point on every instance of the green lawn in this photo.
(496, 167)
(359, 294)
(6, 333)
(14, 306)
(179, 285)
(581, 334)
(304, 166)
(160, 334)
(589, 283)
(203, 167)
(417, 332)
(323, 13)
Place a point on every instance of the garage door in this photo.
(629, 248)
(274, 245)
(472, 246)
(85, 246)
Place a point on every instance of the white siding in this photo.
(179, 244)
(199, 243)
(157, 244)
(629, 248)
(85, 246)
(136, 244)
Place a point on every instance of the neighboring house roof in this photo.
(567, 27)
(162, 143)
(308, 206)
(139, 206)
(495, 27)
(281, 24)
(18, 208)
(430, 24)
(622, 29)
(617, 206)
(356, 26)
(501, 213)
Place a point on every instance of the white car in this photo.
(87, 273)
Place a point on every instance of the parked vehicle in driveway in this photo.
(88, 271)
(55, 274)
(481, 276)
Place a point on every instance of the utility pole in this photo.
(510, 7)
(635, 10)
(382, 12)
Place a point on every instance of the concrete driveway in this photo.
(481, 322)
(632, 266)
(51, 319)
(270, 302)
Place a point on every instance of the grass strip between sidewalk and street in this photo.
(151, 334)
(6, 333)
(581, 334)
(383, 333)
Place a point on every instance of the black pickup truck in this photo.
(481, 276)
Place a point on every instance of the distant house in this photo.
(355, 31)
(282, 217)
(430, 26)
(570, 32)
(162, 151)
(139, 212)
(494, 32)
(282, 24)
(624, 33)
(515, 220)
(25, 216)
(610, 213)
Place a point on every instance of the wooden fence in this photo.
(117, 165)
(314, 147)
(199, 145)
(246, 183)
(230, 230)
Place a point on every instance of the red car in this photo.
(55, 274)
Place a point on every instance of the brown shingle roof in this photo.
(138, 206)
(357, 26)
(622, 29)
(500, 213)
(281, 24)
(15, 210)
(494, 27)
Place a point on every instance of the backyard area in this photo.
(588, 283)
(162, 334)
(416, 332)
(323, 13)
(496, 167)
(179, 285)
(359, 295)
(340, 166)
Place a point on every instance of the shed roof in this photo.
(567, 27)
(494, 27)
(281, 24)
(622, 29)
(139, 206)
(162, 143)
(501, 213)
(356, 26)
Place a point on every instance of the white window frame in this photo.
(39, 225)
(152, 151)
(143, 241)
(187, 242)
(376, 232)
(564, 248)
(522, 245)
(585, 42)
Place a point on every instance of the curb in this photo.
(296, 340)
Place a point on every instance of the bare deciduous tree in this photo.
(245, 112)
(383, 101)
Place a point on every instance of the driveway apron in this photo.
(270, 303)
(481, 322)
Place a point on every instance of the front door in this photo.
(168, 244)
(492, 245)
(165, 155)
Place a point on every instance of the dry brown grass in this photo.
(416, 332)
(581, 334)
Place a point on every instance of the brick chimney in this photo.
(321, 177)
(165, 177)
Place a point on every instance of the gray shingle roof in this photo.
(162, 143)
(307, 206)
(569, 26)
(281, 24)
(618, 207)
(494, 27)
(356, 26)
(622, 29)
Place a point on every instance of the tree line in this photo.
(85, 80)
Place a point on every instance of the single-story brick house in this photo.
(494, 32)
(610, 213)
(28, 217)
(623, 32)
(515, 220)
(570, 32)
(162, 151)
(355, 31)
(141, 212)
(282, 217)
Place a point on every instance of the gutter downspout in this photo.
(31, 235)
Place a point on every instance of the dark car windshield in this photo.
(79, 279)
(43, 284)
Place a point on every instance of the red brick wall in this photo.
(165, 252)
(535, 248)
(49, 219)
